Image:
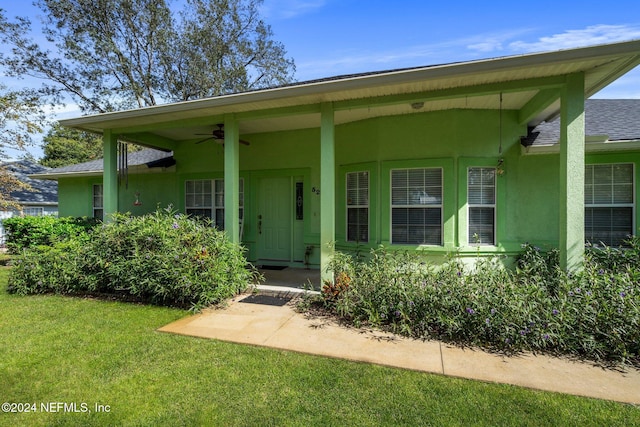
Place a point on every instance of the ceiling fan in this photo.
(218, 135)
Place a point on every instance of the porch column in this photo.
(572, 173)
(327, 190)
(110, 175)
(231, 178)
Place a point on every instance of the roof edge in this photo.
(631, 47)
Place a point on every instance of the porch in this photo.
(290, 277)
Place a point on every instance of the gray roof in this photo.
(618, 119)
(44, 192)
(148, 156)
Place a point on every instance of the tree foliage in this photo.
(8, 184)
(21, 115)
(108, 55)
(64, 146)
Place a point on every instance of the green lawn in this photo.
(82, 351)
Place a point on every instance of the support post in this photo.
(231, 178)
(572, 150)
(327, 190)
(110, 175)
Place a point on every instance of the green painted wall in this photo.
(75, 195)
(528, 191)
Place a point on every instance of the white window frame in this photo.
(591, 204)
(32, 211)
(192, 208)
(471, 240)
(217, 200)
(97, 197)
(422, 202)
(358, 206)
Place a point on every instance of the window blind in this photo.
(481, 200)
(609, 203)
(358, 206)
(416, 206)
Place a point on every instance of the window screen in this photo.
(358, 206)
(416, 206)
(481, 200)
(609, 203)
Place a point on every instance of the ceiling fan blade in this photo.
(218, 135)
(203, 140)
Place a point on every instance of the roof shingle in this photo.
(618, 119)
(147, 156)
(43, 191)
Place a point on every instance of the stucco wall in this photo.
(528, 193)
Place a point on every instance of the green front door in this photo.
(274, 219)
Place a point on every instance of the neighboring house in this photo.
(474, 158)
(41, 199)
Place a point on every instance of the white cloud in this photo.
(347, 62)
(354, 61)
(486, 46)
(287, 9)
(592, 35)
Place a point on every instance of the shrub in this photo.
(30, 231)
(48, 269)
(594, 314)
(163, 258)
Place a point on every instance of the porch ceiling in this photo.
(529, 83)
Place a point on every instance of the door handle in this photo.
(259, 224)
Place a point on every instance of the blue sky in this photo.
(333, 37)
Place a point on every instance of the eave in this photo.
(529, 84)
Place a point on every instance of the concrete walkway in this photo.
(261, 323)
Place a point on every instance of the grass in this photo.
(73, 350)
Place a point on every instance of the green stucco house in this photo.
(472, 157)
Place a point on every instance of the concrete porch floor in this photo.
(282, 327)
(297, 278)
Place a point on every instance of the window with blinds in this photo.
(358, 207)
(609, 203)
(204, 198)
(481, 202)
(97, 204)
(416, 206)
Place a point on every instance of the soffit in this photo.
(600, 64)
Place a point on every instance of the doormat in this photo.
(266, 300)
(273, 267)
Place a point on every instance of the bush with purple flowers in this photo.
(162, 258)
(593, 314)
